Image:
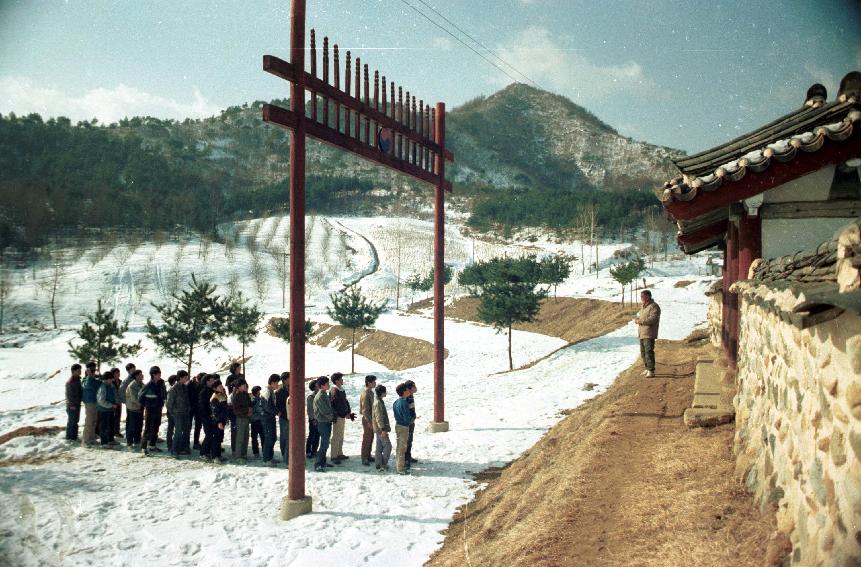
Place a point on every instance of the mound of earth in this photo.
(569, 318)
(395, 352)
(620, 481)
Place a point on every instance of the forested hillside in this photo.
(524, 157)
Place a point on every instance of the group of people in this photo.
(204, 403)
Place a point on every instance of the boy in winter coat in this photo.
(341, 407)
(89, 389)
(151, 398)
(269, 410)
(366, 408)
(171, 424)
(73, 403)
(411, 386)
(220, 417)
(134, 410)
(382, 429)
(313, 442)
(204, 412)
(194, 387)
(401, 410)
(179, 407)
(242, 410)
(282, 398)
(324, 414)
(256, 420)
(106, 400)
(121, 391)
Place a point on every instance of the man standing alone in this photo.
(647, 320)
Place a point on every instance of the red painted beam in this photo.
(703, 234)
(776, 174)
(285, 70)
(749, 243)
(289, 119)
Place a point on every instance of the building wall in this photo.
(781, 237)
(814, 186)
(798, 425)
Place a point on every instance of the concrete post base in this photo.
(438, 426)
(293, 508)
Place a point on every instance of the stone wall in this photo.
(798, 424)
(714, 315)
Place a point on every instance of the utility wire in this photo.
(459, 40)
(487, 49)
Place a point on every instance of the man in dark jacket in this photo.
(152, 399)
(313, 442)
(171, 425)
(281, 410)
(256, 420)
(341, 407)
(73, 403)
(232, 380)
(179, 406)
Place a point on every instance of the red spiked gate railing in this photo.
(407, 136)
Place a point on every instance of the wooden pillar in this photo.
(749, 243)
(732, 300)
(439, 424)
(296, 479)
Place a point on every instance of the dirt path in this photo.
(620, 481)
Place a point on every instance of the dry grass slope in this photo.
(395, 352)
(621, 481)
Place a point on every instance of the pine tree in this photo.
(243, 320)
(101, 337)
(280, 326)
(507, 293)
(194, 318)
(555, 270)
(623, 274)
(354, 311)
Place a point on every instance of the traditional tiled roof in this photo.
(805, 130)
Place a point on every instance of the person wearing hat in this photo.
(89, 389)
(151, 398)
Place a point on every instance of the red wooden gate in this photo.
(407, 136)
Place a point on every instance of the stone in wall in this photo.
(715, 314)
(798, 424)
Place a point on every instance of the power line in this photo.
(490, 51)
(459, 40)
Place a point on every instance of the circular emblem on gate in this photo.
(385, 139)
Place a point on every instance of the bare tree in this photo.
(258, 272)
(53, 283)
(399, 247)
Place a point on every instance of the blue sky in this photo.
(683, 74)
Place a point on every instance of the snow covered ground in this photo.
(93, 506)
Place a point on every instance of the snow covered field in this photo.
(93, 506)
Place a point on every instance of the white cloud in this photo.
(22, 96)
(535, 53)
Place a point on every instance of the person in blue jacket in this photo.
(89, 389)
(403, 419)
